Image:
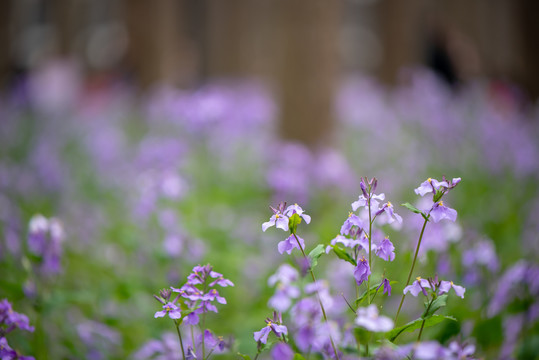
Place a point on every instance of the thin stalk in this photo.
(370, 266)
(412, 268)
(318, 296)
(423, 323)
(370, 258)
(180, 337)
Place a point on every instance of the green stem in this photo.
(423, 323)
(413, 265)
(180, 337)
(370, 266)
(370, 258)
(318, 296)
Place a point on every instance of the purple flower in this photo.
(296, 209)
(385, 250)
(391, 214)
(350, 222)
(418, 286)
(432, 185)
(285, 274)
(13, 319)
(278, 220)
(364, 202)
(171, 310)
(446, 285)
(262, 335)
(213, 295)
(282, 351)
(387, 287)
(439, 211)
(369, 319)
(290, 243)
(362, 271)
(221, 281)
(282, 299)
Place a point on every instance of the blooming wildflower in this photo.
(386, 250)
(439, 211)
(212, 295)
(369, 319)
(220, 280)
(387, 287)
(262, 335)
(432, 185)
(279, 220)
(362, 271)
(169, 309)
(282, 351)
(417, 286)
(351, 221)
(296, 209)
(391, 214)
(290, 243)
(363, 202)
(446, 285)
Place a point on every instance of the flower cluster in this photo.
(9, 321)
(193, 299)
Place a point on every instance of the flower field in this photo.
(154, 225)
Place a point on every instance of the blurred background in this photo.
(158, 132)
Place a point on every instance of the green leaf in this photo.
(342, 254)
(412, 208)
(315, 254)
(293, 222)
(360, 299)
(438, 303)
(245, 357)
(416, 324)
(298, 357)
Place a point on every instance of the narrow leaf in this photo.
(411, 207)
(416, 324)
(342, 254)
(245, 357)
(315, 254)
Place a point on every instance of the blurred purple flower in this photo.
(387, 286)
(417, 286)
(262, 335)
(290, 243)
(446, 285)
(171, 310)
(431, 185)
(296, 209)
(369, 319)
(439, 212)
(362, 271)
(386, 250)
(282, 351)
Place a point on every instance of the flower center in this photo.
(418, 278)
(269, 323)
(441, 203)
(429, 180)
(389, 204)
(350, 214)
